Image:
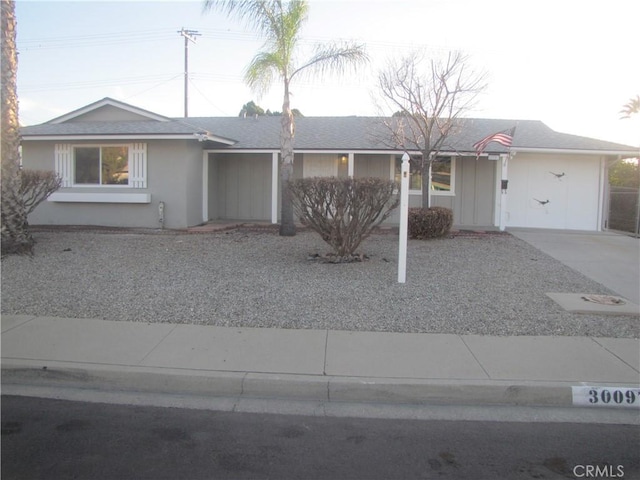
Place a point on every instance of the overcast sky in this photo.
(571, 64)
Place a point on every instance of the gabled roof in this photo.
(312, 133)
(109, 102)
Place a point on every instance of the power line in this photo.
(95, 83)
(105, 39)
(83, 41)
(207, 98)
(155, 86)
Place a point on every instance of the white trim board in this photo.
(73, 197)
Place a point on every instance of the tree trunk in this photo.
(426, 182)
(287, 226)
(14, 232)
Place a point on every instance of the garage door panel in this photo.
(549, 191)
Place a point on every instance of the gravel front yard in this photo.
(488, 285)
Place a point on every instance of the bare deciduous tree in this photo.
(428, 98)
(36, 186)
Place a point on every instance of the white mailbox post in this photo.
(404, 219)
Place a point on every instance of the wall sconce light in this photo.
(343, 159)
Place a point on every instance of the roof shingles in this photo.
(327, 133)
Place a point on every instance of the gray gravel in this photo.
(489, 285)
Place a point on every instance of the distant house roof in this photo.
(312, 133)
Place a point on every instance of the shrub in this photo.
(431, 222)
(36, 186)
(343, 211)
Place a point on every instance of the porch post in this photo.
(504, 158)
(274, 187)
(350, 165)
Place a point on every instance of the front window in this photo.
(102, 165)
(415, 177)
(441, 174)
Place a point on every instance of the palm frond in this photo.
(262, 70)
(334, 58)
(631, 108)
(276, 20)
(260, 15)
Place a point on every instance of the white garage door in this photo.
(554, 191)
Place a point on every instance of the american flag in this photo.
(504, 138)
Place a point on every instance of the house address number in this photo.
(606, 396)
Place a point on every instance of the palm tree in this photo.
(631, 108)
(14, 232)
(280, 23)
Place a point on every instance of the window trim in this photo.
(452, 191)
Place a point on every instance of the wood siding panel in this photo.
(377, 166)
(475, 196)
(319, 165)
(243, 187)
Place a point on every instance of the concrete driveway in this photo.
(610, 259)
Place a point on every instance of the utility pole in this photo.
(189, 36)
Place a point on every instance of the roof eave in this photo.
(113, 136)
(628, 153)
(208, 137)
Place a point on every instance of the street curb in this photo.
(284, 386)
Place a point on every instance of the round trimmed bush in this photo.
(431, 222)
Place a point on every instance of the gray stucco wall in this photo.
(174, 176)
(239, 187)
(212, 197)
(108, 113)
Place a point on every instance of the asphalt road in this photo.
(59, 439)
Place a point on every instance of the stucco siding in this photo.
(212, 183)
(193, 188)
(165, 158)
(108, 113)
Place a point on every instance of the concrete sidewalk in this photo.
(320, 365)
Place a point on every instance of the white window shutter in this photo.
(138, 166)
(64, 163)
